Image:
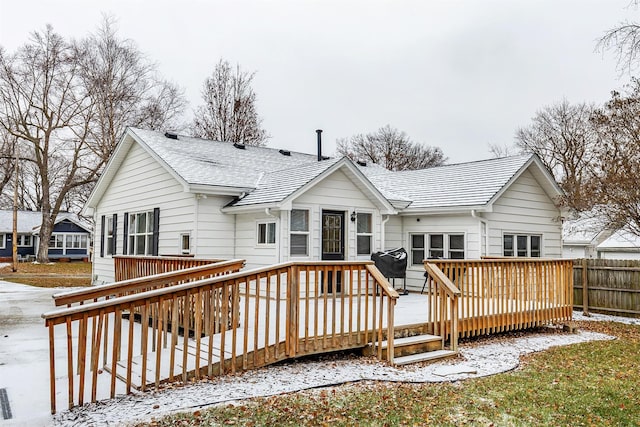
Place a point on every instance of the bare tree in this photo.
(618, 158)
(624, 41)
(504, 150)
(44, 105)
(7, 164)
(391, 149)
(124, 88)
(229, 112)
(564, 138)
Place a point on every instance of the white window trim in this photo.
(515, 244)
(109, 219)
(3, 241)
(370, 234)
(181, 248)
(266, 223)
(131, 246)
(427, 247)
(21, 238)
(306, 233)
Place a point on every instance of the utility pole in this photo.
(15, 212)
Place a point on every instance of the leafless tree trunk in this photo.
(565, 139)
(229, 113)
(391, 149)
(41, 104)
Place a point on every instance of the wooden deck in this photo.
(211, 320)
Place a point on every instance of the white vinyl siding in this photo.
(337, 192)
(257, 255)
(140, 185)
(525, 209)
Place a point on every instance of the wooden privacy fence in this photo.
(131, 267)
(506, 294)
(279, 312)
(607, 285)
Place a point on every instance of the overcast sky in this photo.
(456, 74)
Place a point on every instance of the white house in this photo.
(171, 194)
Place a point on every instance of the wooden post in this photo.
(585, 288)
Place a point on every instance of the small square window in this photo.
(266, 233)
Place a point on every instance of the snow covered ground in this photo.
(24, 369)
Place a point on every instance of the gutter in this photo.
(486, 229)
(383, 231)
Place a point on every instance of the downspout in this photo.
(267, 212)
(383, 231)
(486, 230)
(196, 227)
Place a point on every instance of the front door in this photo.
(332, 235)
(332, 247)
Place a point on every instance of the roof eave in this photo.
(444, 210)
(258, 207)
(218, 190)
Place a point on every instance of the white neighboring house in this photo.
(166, 194)
(588, 237)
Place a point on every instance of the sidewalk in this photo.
(24, 354)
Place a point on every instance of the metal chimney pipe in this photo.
(319, 132)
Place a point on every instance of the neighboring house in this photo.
(70, 238)
(588, 237)
(163, 194)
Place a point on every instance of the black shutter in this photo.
(115, 233)
(125, 234)
(102, 234)
(156, 231)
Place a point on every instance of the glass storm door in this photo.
(332, 235)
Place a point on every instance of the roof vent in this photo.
(171, 135)
(361, 163)
(239, 146)
(284, 152)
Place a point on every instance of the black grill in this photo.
(392, 263)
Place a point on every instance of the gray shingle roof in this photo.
(270, 177)
(463, 184)
(277, 186)
(203, 162)
(27, 221)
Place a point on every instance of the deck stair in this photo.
(416, 348)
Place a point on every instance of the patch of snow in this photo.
(596, 317)
(479, 361)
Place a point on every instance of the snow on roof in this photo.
(584, 229)
(462, 184)
(276, 186)
(30, 221)
(203, 162)
(27, 221)
(621, 240)
(268, 176)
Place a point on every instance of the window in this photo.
(25, 240)
(299, 237)
(56, 241)
(441, 245)
(266, 233)
(110, 236)
(364, 233)
(185, 244)
(2, 240)
(522, 245)
(141, 233)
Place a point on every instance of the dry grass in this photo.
(52, 275)
(589, 384)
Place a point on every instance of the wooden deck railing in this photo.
(132, 267)
(443, 306)
(504, 294)
(283, 311)
(147, 283)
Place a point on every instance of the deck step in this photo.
(408, 341)
(424, 357)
